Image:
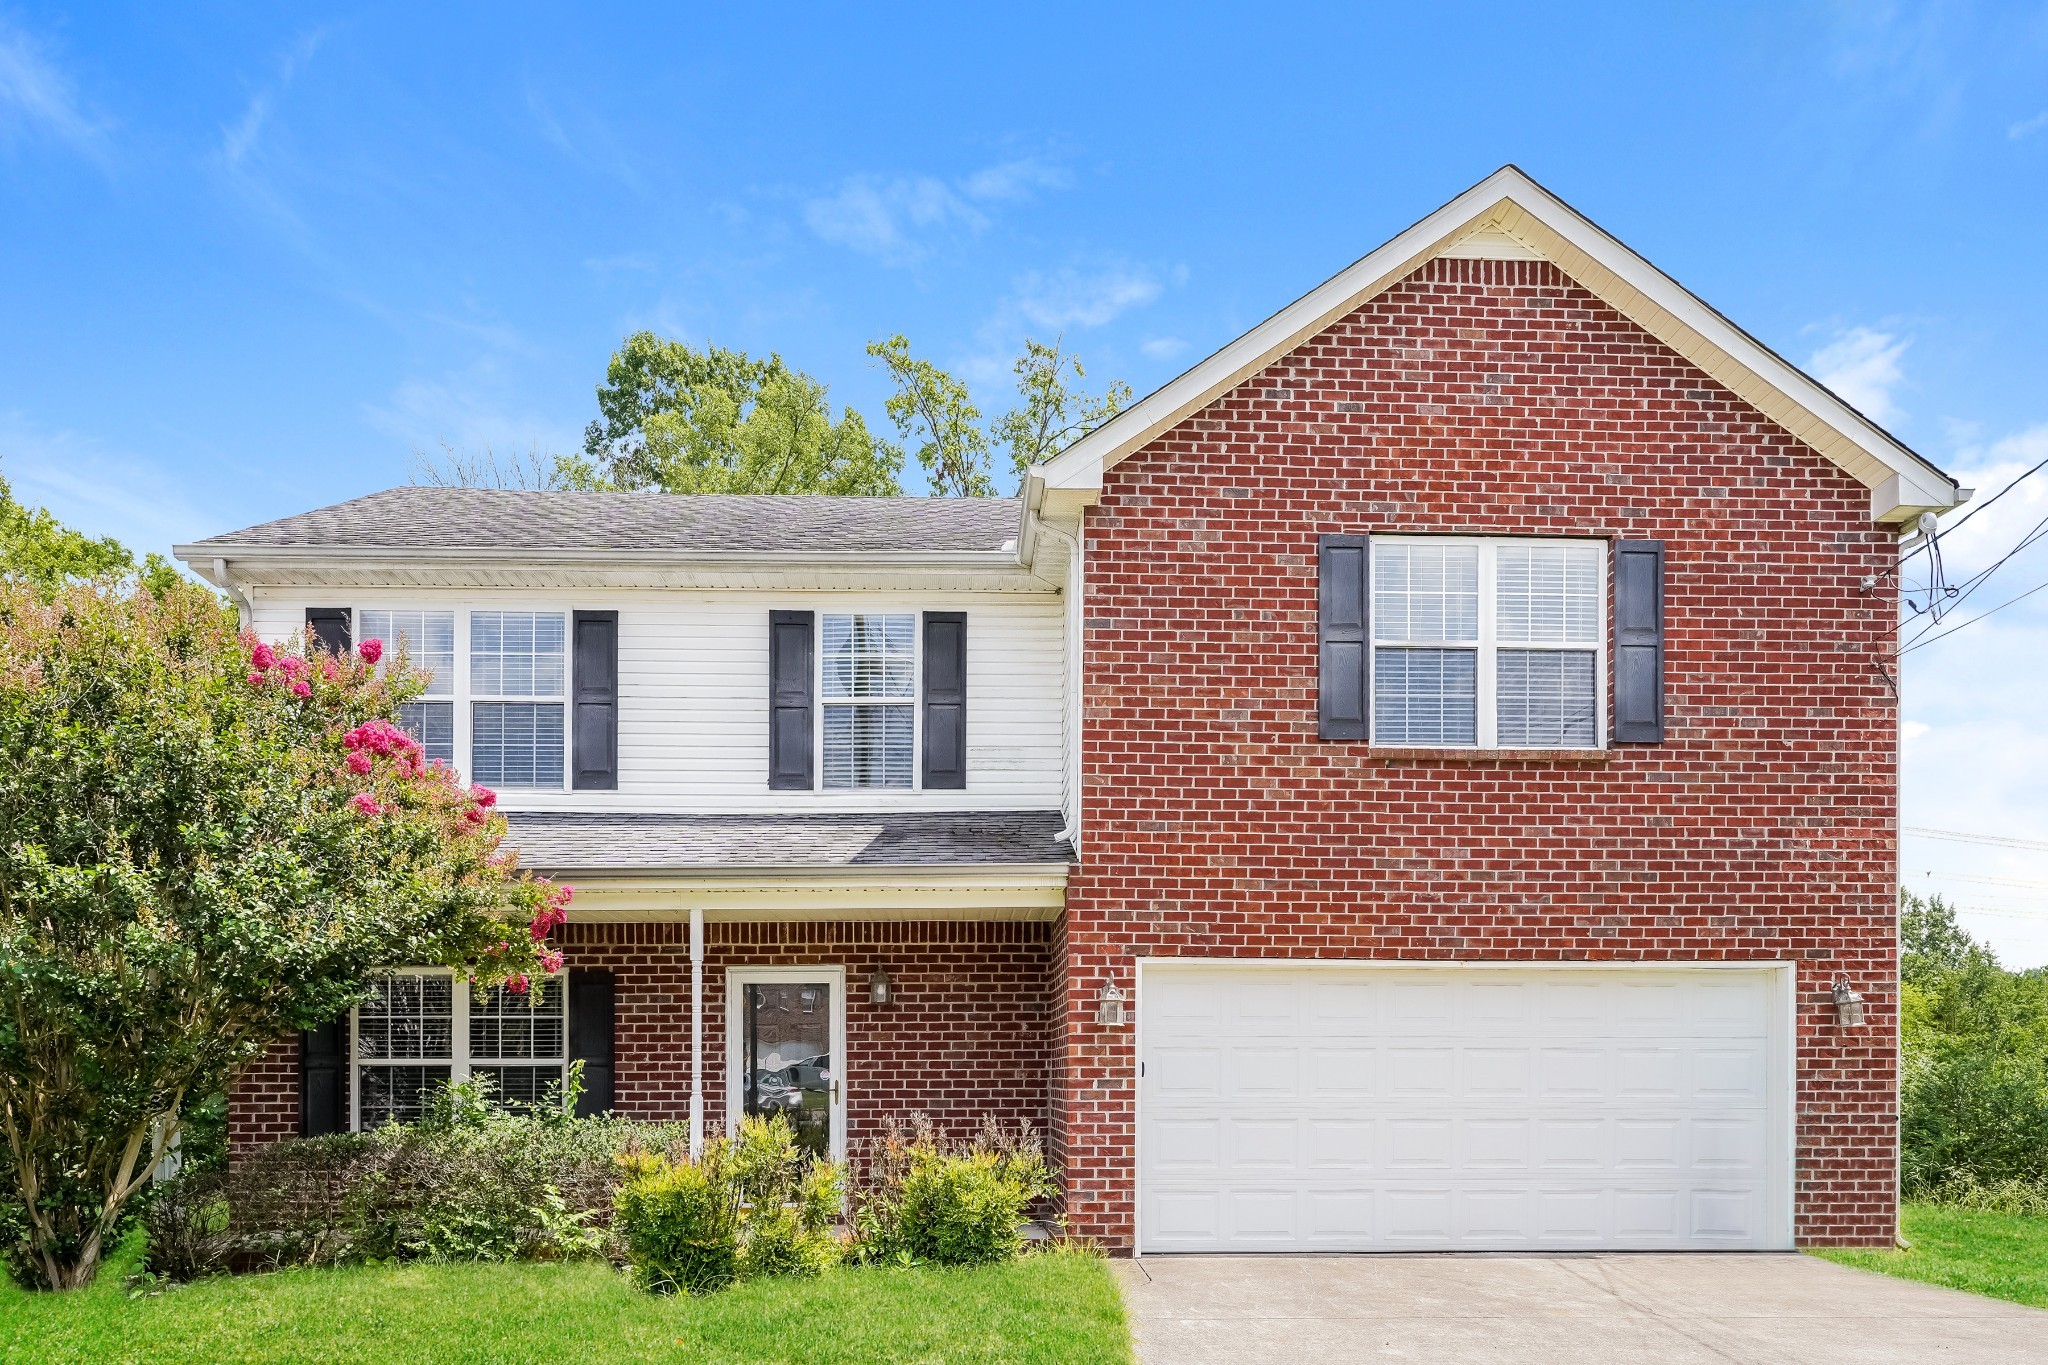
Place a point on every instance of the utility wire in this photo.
(1923, 638)
(1958, 836)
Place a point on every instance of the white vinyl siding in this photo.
(1488, 643)
(693, 687)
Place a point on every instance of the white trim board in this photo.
(1510, 208)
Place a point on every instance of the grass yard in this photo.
(1053, 1308)
(1986, 1253)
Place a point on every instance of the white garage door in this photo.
(1391, 1108)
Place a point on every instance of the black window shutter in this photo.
(945, 700)
(592, 1013)
(791, 641)
(596, 724)
(1639, 641)
(1341, 611)
(323, 1079)
(327, 628)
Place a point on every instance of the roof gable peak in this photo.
(1509, 216)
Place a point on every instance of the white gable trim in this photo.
(1489, 220)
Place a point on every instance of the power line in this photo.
(1958, 836)
(1924, 639)
(1978, 507)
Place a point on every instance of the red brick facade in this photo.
(965, 1039)
(1489, 397)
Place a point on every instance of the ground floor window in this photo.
(421, 1030)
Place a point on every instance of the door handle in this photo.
(835, 1092)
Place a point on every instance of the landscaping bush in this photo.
(470, 1182)
(925, 1198)
(751, 1205)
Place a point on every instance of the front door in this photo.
(785, 1050)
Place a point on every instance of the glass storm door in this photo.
(787, 1046)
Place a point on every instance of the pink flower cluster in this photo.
(366, 804)
(553, 911)
(379, 737)
(263, 660)
(371, 651)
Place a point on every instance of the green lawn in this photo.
(1054, 1308)
(1986, 1253)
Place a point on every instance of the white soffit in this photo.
(1508, 216)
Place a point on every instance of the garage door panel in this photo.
(1418, 1144)
(1331, 1108)
(1340, 1144)
(1496, 1072)
(1180, 1073)
(1264, 1145)
(1261, 1073)
(1419, 1071)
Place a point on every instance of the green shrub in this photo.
(471, 1182)
(751, 1205)
(925, 1198)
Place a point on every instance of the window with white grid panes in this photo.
(867, 676)
(426, 640)
(518, 679)
(1497, 643)
(421, 1030)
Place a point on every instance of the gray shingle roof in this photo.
(507, 519)
(592, 842)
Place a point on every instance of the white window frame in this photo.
(1487, 647)
(915, 701)
(460, 1064)
(466, 732)
(458, 667)
(737, 979)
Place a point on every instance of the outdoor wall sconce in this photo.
(881, 988)
(1109, 1006)
(1848, 1005)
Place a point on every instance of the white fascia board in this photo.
(194, 555)
(1508, 201)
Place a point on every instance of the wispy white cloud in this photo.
(1072, 298)
(1862, 365)
(477, 407)
(97, 490)
(2027, 127)
(1162, 348)
(887, 218)
(37, 98)
(1016, 180)
(240, 138)
(899, 219)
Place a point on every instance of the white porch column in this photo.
(696, 1031)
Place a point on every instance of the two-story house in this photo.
(1426, 778)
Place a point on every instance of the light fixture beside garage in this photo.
(1109, 1006)
(1848, 1004)
(881, 987)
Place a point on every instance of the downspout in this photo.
(235, 594)
(696, 1032)
(1076, 583)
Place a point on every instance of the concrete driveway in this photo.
(1610, 1310)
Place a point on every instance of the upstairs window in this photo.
(868, 686)
(427, 640)
(518, 671)
(1488, 643)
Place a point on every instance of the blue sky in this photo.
(252, 259)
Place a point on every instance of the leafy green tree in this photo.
(206, 842)
(718, 421)
(36, 547)
(1052, 416)
(934, 409)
